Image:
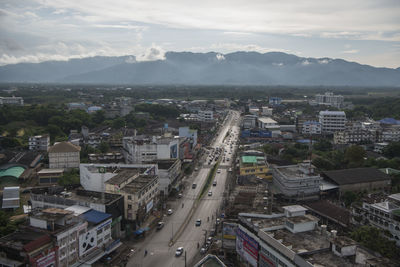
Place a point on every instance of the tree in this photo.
(355, 155)
(118, 123)
(323, 145)
(349, 197)
(392, 150)
(104, 147)
(70, 178)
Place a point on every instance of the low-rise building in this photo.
(169, 172)
(189, 133)
(311, 127)
(254, 163)
(358, 179)
(266, 111)
(297, 182)
(64, 155)
(205, 115)
(39, 142)
(49, 176)
(249, 121)
(14, 100)
(275, 101)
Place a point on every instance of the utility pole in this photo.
(185, 258)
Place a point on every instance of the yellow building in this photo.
(255, 165)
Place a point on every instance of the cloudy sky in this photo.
(366, 31)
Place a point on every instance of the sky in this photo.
(364, 31)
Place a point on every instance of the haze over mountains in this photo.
(239, 68)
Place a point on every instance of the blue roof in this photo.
(95, 216)
(389, 121)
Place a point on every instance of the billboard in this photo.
(149, 205)
(48, 260)
(229, 230)
(87, 241)
(247, 247)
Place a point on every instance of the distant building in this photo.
(332, 121)
(49, 176)
(11, 198)
(275, 100)
(205, 115)
(297, 182)
(39, 142)
(64, 155)
(14, 100)
(311, 127)
(329, 99)
(254, 110)
(266, 111)
(73, 106)
(249, 121)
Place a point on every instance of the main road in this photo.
(158, 244)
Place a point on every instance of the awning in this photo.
(141, 230)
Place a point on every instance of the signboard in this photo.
(47, 261)
(265, 261)
(87, 241)
(104, 224)
(229, 230)
(149, 205)
(174, 151)
(247, 247)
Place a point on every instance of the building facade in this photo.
(64, 155)
(311, 128)
(332, 121)
(39, 142)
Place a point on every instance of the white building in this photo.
(311, 127)
(140, 150)
(297, 182)
(254, 110)
(332, 121)
(329, 99)
(268, 123)
(391, 133)
(205, 115)
(14, 100)
(266, 111)
(39, 142)
(64, 155)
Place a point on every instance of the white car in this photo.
(209, 193)
(169, 212)
(179, 251)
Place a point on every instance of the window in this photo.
(129, 206)
(129, 197)
(99, 231)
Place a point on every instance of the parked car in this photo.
(169, 212)
(209, 193)
(180, 195)
(194, 186)
(198, 222)
(160, 225)
(179, 251)
(215, 183)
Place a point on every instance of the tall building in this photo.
(205, 115)
(332, 121)
(329, 99)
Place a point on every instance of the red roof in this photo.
(37, 243)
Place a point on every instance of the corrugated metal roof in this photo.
(95, 216)
(10, 197)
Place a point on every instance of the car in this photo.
(198, 222)
(210, 239)
(160, 225)
(194, 186)
(180, 195)
(209, 193)
(219, 171)
(179, 251)
(215, 183)
(203, 250)
(218, 221)
(196, 169)
(169, 212)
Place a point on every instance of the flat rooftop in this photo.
(301, 242)
(295, 171)
(138, 184)
(122, 176)
(326, 258)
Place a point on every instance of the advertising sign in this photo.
(174, 151)
(47, 261)
(149, 205)
(104, 224)
(247, 247)
(87, 241)
(229, 230)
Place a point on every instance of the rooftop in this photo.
(296, 171)
(24, 239)
(252, 159)
(63, 147)
(356, 175)
(46, 171)
(267, 120)
(122, 176)
(328, 112)
(139, 183)
(329, 210)
(95, 217)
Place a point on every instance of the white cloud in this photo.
(220, 57)
(151, 54)
(278, 64)
(306, 63)
(324, 61)
(352, 51)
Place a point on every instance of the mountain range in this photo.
(238, 68)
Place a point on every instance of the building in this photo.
(249, 121)
(267, 123)
(254, 111)
(358, 179)
(64, 228)
(254, 163)
(73, 106)
(189, 133)
(14, 100)
(329, 99)
(140, 193)
(293, 238)
(275, 101)
(311, 128)
(169, 172)
(205, 115)
(56, 197)
(27, 248)
(39, 142)
(390, 133)
(64, 155)
(49, 176)
(332, 121)
(357, 132)
(296, 182)
(384, 214)
(266, 111)
(140, 149)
